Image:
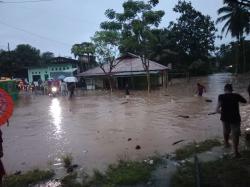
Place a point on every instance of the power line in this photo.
(34, 34)
(71, 18)
(34, 1)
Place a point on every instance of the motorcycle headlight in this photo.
(53, 89)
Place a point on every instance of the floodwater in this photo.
(95, 126)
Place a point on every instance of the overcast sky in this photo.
(57, 24)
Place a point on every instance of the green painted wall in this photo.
(49, 72)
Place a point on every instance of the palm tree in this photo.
(239, 2)
(237, 18)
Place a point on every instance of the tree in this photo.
(135, 24)
(226, 55)
(245, 3)
(15, 62)
(193, 33)
(25, 56)
(106, 50)
(46, 57)
(6, 64)
(237, 20)
(80, 50)
(163, 47)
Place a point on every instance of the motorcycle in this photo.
(54, 91)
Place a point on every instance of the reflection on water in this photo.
(56, 114)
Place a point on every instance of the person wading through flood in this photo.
(127, 90)
(71, 89)
(200, 89)
(228, 106)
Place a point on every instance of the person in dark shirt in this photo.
(71, 89)
(228, 106)
(200, 89)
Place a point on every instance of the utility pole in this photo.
(9, 48)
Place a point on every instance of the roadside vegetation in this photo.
(195, 147)
(224, 172)
(27, 179)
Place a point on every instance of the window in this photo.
(56, 69)
(52, 69)
(32, 72)
(60, 69)
(63, 68)
(67, 67)
(39, 72)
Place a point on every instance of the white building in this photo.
(58, 67)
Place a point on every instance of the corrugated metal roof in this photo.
(127, 64)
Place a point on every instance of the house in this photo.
(129, 70)
(56, 68)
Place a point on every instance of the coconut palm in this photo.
(240, 2)
(237, 21)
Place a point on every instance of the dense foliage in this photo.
(15, 62)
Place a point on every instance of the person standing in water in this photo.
(200, 89)
(126, 89)
(71, 89)
(228, 106)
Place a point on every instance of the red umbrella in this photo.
(6, 106)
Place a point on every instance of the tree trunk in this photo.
(244, 55)
(148, 81)
(110, 84)
(237, 58)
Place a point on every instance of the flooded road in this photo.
(95, 127)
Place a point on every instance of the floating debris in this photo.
(138, 147)
(70, 169)
(74, 165)
(179, 141)
(129, 139)
(124, 102)
(183, 116)
(18, 173)
(209, 100)
(212, 113)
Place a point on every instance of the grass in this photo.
(26, 179)
(122, 173)
(70, 181)
(192, 148)
(128, 173)
(224, 172)
(67, 160)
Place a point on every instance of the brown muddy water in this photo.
(95, 127)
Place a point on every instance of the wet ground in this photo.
(95, 126)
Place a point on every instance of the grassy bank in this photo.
(27, 179)
(129, 173)
(194, 147)
(122, 173)
(225, 172)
